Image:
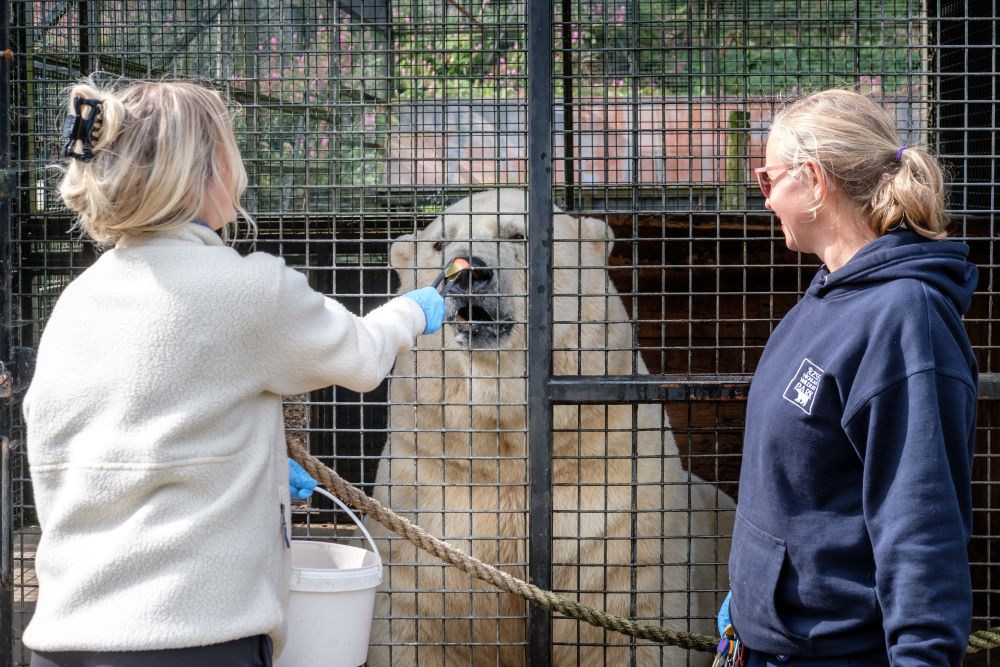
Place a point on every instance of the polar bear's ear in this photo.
(598, 230)
(403, 251)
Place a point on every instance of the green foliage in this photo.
(317, 85)
(659, 48)
(475, 53)
(460, 51)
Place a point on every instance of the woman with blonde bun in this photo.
(849, 547)
(154, 422)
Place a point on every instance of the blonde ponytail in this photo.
(913, 193)
(855, 141)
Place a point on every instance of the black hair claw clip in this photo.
(77, 128)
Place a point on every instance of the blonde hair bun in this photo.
(156, 146)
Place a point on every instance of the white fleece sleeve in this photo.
(314, 342)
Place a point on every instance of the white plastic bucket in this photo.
(331, 602)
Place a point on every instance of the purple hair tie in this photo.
(899, 153)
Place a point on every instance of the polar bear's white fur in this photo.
(455, 461)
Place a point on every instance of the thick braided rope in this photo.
(978, 641)
(491, 575)
(984, 640)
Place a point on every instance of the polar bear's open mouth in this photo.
(480, 322)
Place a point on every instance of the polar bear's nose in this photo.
(477, 278)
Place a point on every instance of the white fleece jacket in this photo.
(155, 438)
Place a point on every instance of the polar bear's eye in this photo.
(439, 246)
(516, 237)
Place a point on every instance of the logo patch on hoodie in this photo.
(801, 391)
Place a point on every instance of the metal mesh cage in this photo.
(601, 456)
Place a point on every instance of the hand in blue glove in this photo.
(432, 304)
(723, 619)
(300, 484)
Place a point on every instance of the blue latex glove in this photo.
(723, 619)
(432, 304)
(300, 484)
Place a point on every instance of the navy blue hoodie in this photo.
(855, 493)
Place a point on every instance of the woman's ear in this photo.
(817, 179)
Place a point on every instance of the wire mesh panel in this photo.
(309, 82)
(384, 140)
(659, 141)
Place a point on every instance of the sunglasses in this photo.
(764, 179)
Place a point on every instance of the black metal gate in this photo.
(361, 120)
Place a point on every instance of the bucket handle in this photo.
(320, 490)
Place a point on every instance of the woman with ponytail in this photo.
(855, 493)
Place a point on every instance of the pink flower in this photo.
(274, 41)
(260, 47)
(620, 14)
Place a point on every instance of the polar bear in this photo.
(455, 461)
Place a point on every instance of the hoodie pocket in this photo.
(754, 570)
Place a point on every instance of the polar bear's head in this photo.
(487, 305)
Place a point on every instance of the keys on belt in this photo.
(730, 652)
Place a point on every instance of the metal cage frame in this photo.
(965, 81)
